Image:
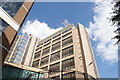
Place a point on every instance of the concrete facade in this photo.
(66, 54)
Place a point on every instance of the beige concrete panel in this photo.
(30, 51)
(91, 70)
(20, 16)
(77, 54)
(28, 4)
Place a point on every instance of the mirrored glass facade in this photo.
(14, 73)
(3, 26)
(20, 49)
(11, 7)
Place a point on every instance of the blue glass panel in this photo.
(19, 53)
(12, 7)
(9, 10)
(18, 57)
(16, 61)
(3, 26)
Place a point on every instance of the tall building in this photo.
(22, 50)
(66, 54)
(12, 16)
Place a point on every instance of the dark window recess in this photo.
(54, 68)
(69, 76)
(67, 41)
(3, 25)
(68, 64)
(55, 78)
(38, 48)
(46, 51)
(47, 41)
(37, 55)
(47, 44)
(44, 60)
(35, 63)
(55, 46)
(55, 56)
(56, 39)
(66, 34)
(67, 51)
(40, 44)
(66, 30)
(56, 36)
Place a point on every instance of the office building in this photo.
(22, 50)
(66, 54)
(12, 16)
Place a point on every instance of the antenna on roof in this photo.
(65, 22)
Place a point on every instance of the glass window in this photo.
(19, 53)
(12, 7)
(46, 51)
(16, 61)
(67, 51)
(68, 64)
(3, 26)
(67, 41)
(55, 56)
(55, 46)
(35, 63)
(9, 10)
(18, 57)
(44, 60)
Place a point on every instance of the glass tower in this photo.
(12, 16)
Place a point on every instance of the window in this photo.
(56, 36)
(47, 41)
(35, 63)
(38, 48)
(3, 26)
(54, 68)
(46, 51)
(44, 60)
(37, 55)
(68, 64)
(18, 57)
(55, 56)
(19, 53)
(12, 7)
(40, 44)
(47, 44)
(69, 76)
(16, 61)
(56, 39)
(67, 51)
(66, 30)
(55, 46)
(67, 41)
(66, 35)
